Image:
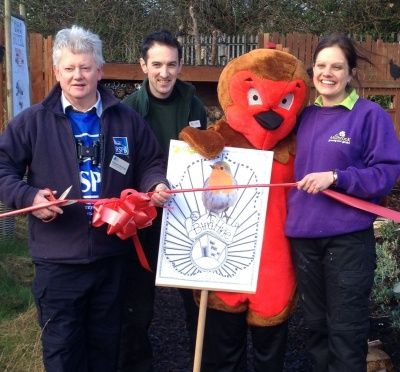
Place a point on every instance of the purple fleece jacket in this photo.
(362, 146)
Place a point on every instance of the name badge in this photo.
(195, 123)
(120, 165)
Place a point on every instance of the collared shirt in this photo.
(98, 105)
(348, 102)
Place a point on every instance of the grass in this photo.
(20, 346)
(20, 349)
(16, 273)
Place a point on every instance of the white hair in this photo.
(77, 40)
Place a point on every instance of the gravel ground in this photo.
(171, 343)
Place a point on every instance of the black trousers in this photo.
(79, 311)
(225, 344)
(136, 353)
(335, 277)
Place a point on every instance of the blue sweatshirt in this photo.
(361, 145)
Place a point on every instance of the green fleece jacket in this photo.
(168, 117)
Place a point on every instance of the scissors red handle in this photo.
(50, 198)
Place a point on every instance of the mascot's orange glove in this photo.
(262, 93)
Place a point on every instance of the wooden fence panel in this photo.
(227, 48)
(36, 67)
(370, 73)
(301, 46)
(308, 50)
(47, 64)
(375, 80)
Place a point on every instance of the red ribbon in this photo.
(124, 216)
(364, 205)
(133, 211)
(343, 198)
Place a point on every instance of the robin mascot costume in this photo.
(261, 93)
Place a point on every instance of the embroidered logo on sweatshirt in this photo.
(340, 137)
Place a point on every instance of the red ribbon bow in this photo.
(124, 216)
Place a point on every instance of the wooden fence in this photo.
(380, 80)
(226, 47)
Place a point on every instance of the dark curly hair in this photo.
(163, 37)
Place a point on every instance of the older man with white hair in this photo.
(79, 135)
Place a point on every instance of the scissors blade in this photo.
(64, 195)
(69, 202)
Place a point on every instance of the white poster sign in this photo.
(19, 65)
(212, 239)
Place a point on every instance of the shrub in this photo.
(387, 274)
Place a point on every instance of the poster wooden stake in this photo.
(200, 330)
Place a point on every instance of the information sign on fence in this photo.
(19, 64)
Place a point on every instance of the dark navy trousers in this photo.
(79, 310)
(335, 277)
(225, 344)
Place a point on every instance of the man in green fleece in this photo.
(168, 105)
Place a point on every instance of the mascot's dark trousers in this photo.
(225, 344)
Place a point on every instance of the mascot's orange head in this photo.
(262, 93)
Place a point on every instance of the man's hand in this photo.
(159, 196)
(46, 213)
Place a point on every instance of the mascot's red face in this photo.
(263, 110)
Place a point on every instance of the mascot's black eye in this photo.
(253, 97)
(287, 101)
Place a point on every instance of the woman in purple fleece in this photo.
(348, 143)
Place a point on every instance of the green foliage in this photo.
(13, 247)
(395, 316)
(387, 274)
(385, 101)
(122, 24)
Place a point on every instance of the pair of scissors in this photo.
(59, 202)
(51, 201)
(62, 197)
